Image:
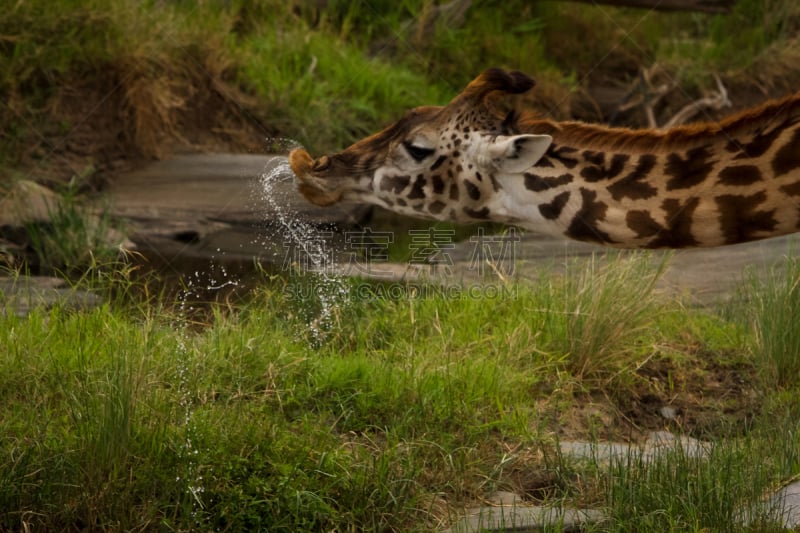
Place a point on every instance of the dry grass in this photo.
(127, 81)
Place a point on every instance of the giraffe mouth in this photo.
(311, 183)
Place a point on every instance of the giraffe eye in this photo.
(418, 153)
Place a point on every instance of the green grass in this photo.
(606, 309)
(725, 491)
(75, 238)
(772, 305)
(411, 407)
(322, 90)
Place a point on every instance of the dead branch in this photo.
(716, 101)
(644, 94)
(701, 6)
(655, 95)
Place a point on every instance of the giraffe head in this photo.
(444, 163)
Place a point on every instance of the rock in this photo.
(657, 443)
(190, 201)
(217, 187)
(519, 518)
(9, 250)
(23, 294)
(782, 507)
(668, 412)
(104, 233)
(27, 202)
(503, 497)
(785, 505)
(687, 274)
(601, 452)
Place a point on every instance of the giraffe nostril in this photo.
(321, 164)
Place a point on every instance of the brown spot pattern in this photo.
(634, 184)
(788, 157)
(689, 171)
(761, 142)
(552, 210)
(641, 223)
(417, 190)
(454, 194)
(438, 184)
(584, 225)
(436, 207)
(395, 183)
(597, 170)
(678, 230)
(739, 175)
(538, 184)
(544, 162)
(563, 154)
(593, 158)
(793, 189)
(482, 213)
(739, 219)
(472, 190)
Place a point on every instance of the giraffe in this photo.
(708, 184)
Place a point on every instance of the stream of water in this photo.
(311, 249)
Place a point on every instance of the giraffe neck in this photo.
(705, 185)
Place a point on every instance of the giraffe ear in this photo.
(518, 153)
(492, 82)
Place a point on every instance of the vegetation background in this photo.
(142, 415)
(91, 87)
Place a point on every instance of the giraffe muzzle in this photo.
(314, 188)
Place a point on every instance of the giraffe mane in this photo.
(598, 137)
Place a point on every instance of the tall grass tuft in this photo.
(604, 308)
(773, 306)
(75, 238)
(676, 491)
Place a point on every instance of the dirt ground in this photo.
(95, 131)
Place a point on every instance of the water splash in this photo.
(314, 255)
(198, 287)
(307, 247)
(188, 452)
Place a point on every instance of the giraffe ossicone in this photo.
(706, 184)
